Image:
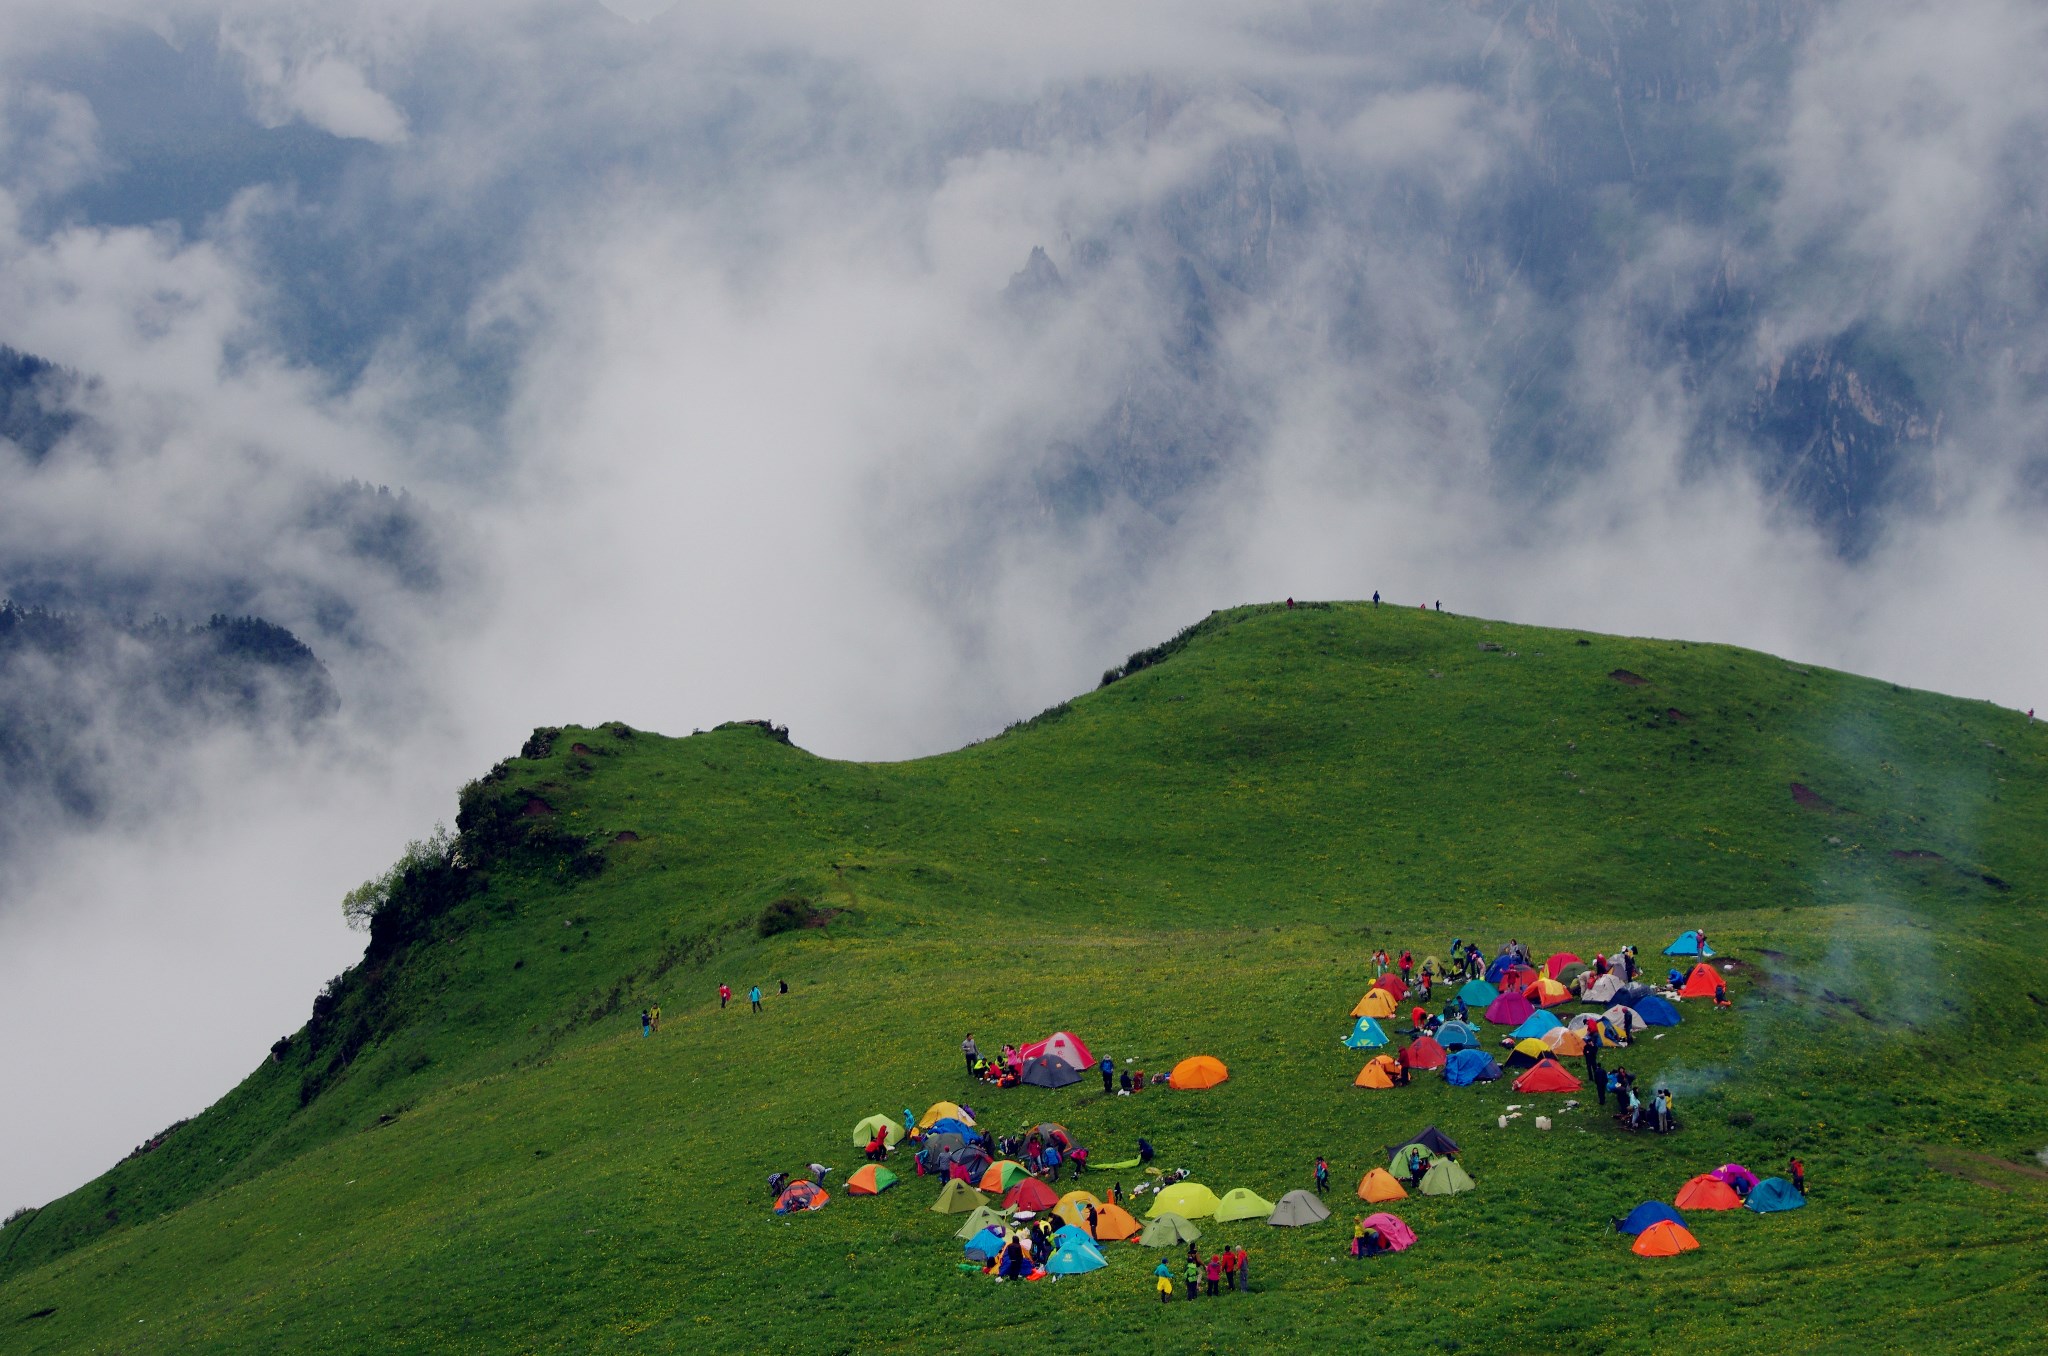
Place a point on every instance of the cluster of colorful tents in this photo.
(1059, 1060)
(1660, 1230)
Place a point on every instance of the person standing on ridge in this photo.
(754, 997)
(971, 1051)
(1375, 597)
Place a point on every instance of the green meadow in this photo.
(472, 1148)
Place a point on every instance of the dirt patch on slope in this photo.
(1814, 800)
(535, 808)
(1985, 1170)
(1623, 676)
(1917, 855)
(625, 836)
(582, 750)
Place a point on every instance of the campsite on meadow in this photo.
(1209, 871)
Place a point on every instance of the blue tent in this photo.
(986, 1244)
(1500, 966)
(1535, 1024)
(1688, 944)
(1467, 1067)
(1478, 994)
(1655, 1011)
(1070, 1259)
(1072, 1233)
(1774, 1193)
(948, 1125)
(1366, 1034)
(1456, 1035)
(1648, 1213)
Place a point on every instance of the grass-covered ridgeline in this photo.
(472, 1149)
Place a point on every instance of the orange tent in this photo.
(870, 1181)
(1380, 1185)
(1706, 1192)
(1376, 1003)
(1702, 982)
(1198, 1071)
(1664, 1239)
(1000, 1175)
(1113, 1223)
(1393, 984)
(1564, 1041)
(1546, 993)
(1377, 1073)
(1549, 1076)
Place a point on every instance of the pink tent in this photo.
(1064, 1045)
(1510, 1009)
(1735, 1175)
(1393, 1233)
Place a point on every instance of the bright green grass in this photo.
(1198, 858)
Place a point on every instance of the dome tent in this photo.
(1048, 1071)
(1646, 1214)
(1655, 1011)
(1688, 944)
(1395, 1235)
(983, 1217)
(944, 1111)
(1365, 1035)
(871, 1180)
(1298, 1208)
(1378, 1072)
(1061, 1045)
(1376, 1003)
(1075, 1256)
(798, 1197)
(1431, 1139)
(1456, 1036)
(1073, 1207)
(1113, 1224)
(1536, 1024)
(1189, 1200)
(1603, 989)
(1446, 1178)
(1703, 981)
(1242, 1203)
(1423, 1053)
(1477, 994)
(1198, 1071)
(1510, 1009)
(1030, 1194)
(864, 1131)
(1393, 984)
(958, 1198)
(1664, 1239)
(1467, 1067)
(1167, 1230)
(1001, 1175)
(1707, 1192)
(1548, 1076)
(1380, 1185)
(1773, 1194)
(1554, 967)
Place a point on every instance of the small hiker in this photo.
(724, 995)
(1407, 963)
(776, 1182)
(1108, 1067)
(1439, 604)
(646, 1021)
(1721, 994)
(878, 1147)
(1799, 1168)
(655, 1013)
(1193, 1272)
(1164, 1274)
(754, 997)
(1145, 1150)
(818, 1171)
(1124, 1084)
(1092, 1224)
(1077, 1162)
(972, 1052)
(1213, 1273)
(1244, 1269)
(1376, 600)
(1358, 1236)
(1415, 1168)
(1230, 1268)
(1322, 1175)
(782, 986)
(1593, 1073)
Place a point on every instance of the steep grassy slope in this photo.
(473, 1149)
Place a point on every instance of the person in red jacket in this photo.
(1407, 964)
(724, 994)
(1214, 1271)
(1418, 1017)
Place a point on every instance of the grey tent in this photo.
(1603, 989)
(1046, 1071)
(1431, 1138)
(946, 1142)
(984, 1217)
(1169, 1229)
(1297, 1208)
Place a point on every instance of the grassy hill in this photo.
(471, 1148)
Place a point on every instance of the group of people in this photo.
(1230, 1269)
(1006, 1069)
(753, 994)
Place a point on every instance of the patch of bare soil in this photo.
(820, 917)
(1676, 716)
(536, 808)
(1630, 679)
(1985, 1170)
(582, 750)
(1814, 800)
(1916, 855)
(625, 836)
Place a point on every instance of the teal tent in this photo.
(1774, 1193)
(1478, 994)
(1688, 944)
(1366, 1035)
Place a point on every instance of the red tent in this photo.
(1707, 1192)
(1518, 977)
(1558, 961)
(1548, 1076)
(1424, 1053)
(1030, 1194)
(1393, 984)
(1702, 982)
(1060, 1045)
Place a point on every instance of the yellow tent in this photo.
(1198, 1071)
(939, 1111)
(1073, 1207)
(1531, 1047)
(1376, 1003)
(1189, 1200)
(865, 1131)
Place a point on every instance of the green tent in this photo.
(984, 1217)
(1190, 1199)
(957, 1199)
(1242, 1203)
(1168, 1229)
(865, 1131)
(1446, 1178)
